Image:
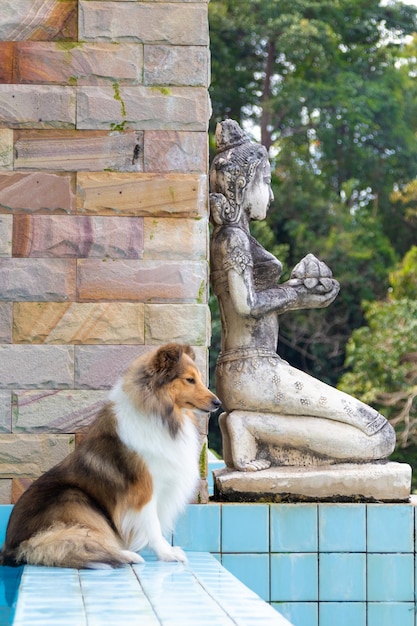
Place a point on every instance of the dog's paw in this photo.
(174, 553)
(132, 557)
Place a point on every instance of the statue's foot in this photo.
(255, 466)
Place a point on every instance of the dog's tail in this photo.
(76, 546)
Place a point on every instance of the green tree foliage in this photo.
(382, 356)
(330, 85)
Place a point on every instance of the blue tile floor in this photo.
(199, 593)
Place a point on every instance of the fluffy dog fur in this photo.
(124, 485)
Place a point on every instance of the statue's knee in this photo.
(386, 439)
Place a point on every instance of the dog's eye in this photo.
(190, 380)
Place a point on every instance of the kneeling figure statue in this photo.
(274, 413)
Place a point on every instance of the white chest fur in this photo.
(171, 461)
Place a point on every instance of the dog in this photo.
(124, 485)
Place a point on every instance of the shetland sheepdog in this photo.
(126, 482)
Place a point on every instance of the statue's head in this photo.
(236, 163)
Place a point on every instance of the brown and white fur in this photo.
(127, 481)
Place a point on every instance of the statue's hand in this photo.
(312, 281)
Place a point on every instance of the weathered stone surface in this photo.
(32, 455)
(6, 230)
(78, 63)
(40, 192)
(39, 20)
(68, 150)
(55, 411)
(6, 317)
(5, 411)
(37, 106)
(141, 108)
(201, 496)
(384, 481)
(176, 65)
(99, 367)
(173, 239)
(78, 323)
(32, 367)
(77, 236)
(152, 281)
(174, 151)
(44, 280)
(173, 322)
(7, 49)
(148, 22)
(110, 193)
(6, 149)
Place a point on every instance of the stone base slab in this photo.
(348, 482)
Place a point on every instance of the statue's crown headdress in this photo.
(229, 135)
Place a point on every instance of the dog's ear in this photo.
(189, 352)
(166, 362)
(167, 355)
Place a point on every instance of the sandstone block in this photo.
(77, 236)
(19, 486)
(7, 50)
(69, 63)
(69, 150)
(43, 280)
(55, 411)
(6, 491)
(142, 108)
(110, 193)
(175, 151)
(6, 319)
(40, 192)
(39, 20)
(176, 65)
(6, 230)
(78, 323)
(26, 455)
(5, 411)
(37, 106)
(173, 239)
(174, 322)
(32, 367)
(148, 22)
(99, 367)
(6, 149)
(151, 281)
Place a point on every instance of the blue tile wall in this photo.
(251, 569)
(317, 564)
(343, 614)
(305, 613)
(391, 614)
(294, 528)
(342, 528)
(294, 577)
(390, 528)
(342, 577)
(245, 528)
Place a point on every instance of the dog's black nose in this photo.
(216, 403)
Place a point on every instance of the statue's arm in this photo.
(292, 295)
(250, 303)
(286, 297)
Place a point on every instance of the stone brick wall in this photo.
(103, 209)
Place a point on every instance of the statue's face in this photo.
(257, 194)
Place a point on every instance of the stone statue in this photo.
(274, 414)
